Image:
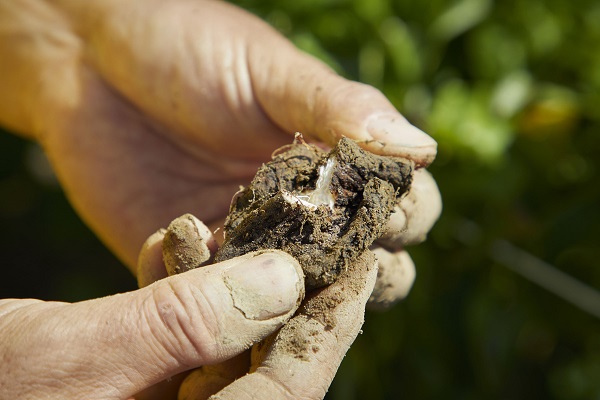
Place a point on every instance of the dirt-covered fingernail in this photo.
(396, 131)
(266, 285)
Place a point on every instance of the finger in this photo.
(122, 344)
(299, 93)
(150, 266)
(415, 214)
(328, 107)
(210, 379)
(187, 244)
(301, 360)
(395, 278)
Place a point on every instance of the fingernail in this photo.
(266, 285)
(395, 130)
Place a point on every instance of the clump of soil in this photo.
(323, 208)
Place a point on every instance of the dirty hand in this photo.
(113, 347)
(150, 109)
(297, 362)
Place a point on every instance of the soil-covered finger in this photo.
(395, 278)
(329, 107)
(187, 244)
(415, 214)
(301, 360)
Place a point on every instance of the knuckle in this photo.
(182, 321)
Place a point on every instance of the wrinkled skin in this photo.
(148, 110)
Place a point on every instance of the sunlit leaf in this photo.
(462, 118)
(402, 49)
(512, 93)
(460, 17)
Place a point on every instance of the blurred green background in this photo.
(510, 90)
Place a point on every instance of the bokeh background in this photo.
(505, 305)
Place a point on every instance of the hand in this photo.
(150, 109)
(298, 361)
(111, 348)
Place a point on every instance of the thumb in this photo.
(300, 93)
(116, 346)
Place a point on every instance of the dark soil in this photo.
(325, 232)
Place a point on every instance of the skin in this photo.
(148, 110)
(271, 369)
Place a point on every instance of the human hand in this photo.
(113, 347)
(151, 109)
(298, 361)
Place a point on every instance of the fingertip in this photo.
(363, 113)
(415, 214)
(327, 107)
(395, 278)
(187, 244)
(150, 266)
(393, 135)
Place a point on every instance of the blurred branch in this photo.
(547, 276)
